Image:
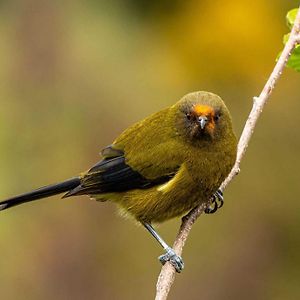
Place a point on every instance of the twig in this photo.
(167, 274)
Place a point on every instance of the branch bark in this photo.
(167, 274)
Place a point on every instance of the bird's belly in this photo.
(153, 205)
(171, 199)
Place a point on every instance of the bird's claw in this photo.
(216, 202)
(173, 258)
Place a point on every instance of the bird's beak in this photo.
(202, 121)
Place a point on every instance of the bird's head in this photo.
(203, 116)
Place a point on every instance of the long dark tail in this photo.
(40, 193)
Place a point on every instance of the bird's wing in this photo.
(113, 174)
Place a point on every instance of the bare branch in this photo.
(167, 274)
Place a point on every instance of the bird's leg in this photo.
(170, 254)
(216, 202)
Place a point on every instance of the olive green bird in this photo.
(160, 167)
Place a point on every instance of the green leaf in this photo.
(291, 16)
(294, 60)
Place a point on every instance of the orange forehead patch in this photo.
(203, 110)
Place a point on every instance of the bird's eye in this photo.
(188, 116)
(217, 117)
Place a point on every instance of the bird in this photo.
(160, 167)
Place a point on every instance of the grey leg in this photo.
(170, 254)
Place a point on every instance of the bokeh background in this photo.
(73, 75)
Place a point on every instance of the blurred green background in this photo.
(73, 75)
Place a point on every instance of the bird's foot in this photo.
(173, 258)
(216, 202)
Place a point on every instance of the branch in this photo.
(167, 274)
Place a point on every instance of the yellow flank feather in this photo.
(168, 186)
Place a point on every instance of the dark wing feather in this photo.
(112, 174)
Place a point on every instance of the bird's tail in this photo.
(40, 193)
